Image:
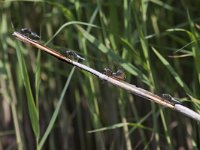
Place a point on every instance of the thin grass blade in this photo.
(173, 72)
(55, 114)
(33, 110)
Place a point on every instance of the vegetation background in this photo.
(48, 104)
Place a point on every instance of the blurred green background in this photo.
(48, 104)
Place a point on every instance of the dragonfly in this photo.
(29, 33)
(107, 72)
(119, 75)
(171, 99)
(73, 55)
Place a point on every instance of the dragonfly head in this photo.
(107, 72)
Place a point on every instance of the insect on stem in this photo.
(29, 34)
(119, 75)
(74, 56)
(171, 99)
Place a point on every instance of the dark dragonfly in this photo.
(107, 72)
(171, 99)
(119, 75)
(29, 33)
(72, 55)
